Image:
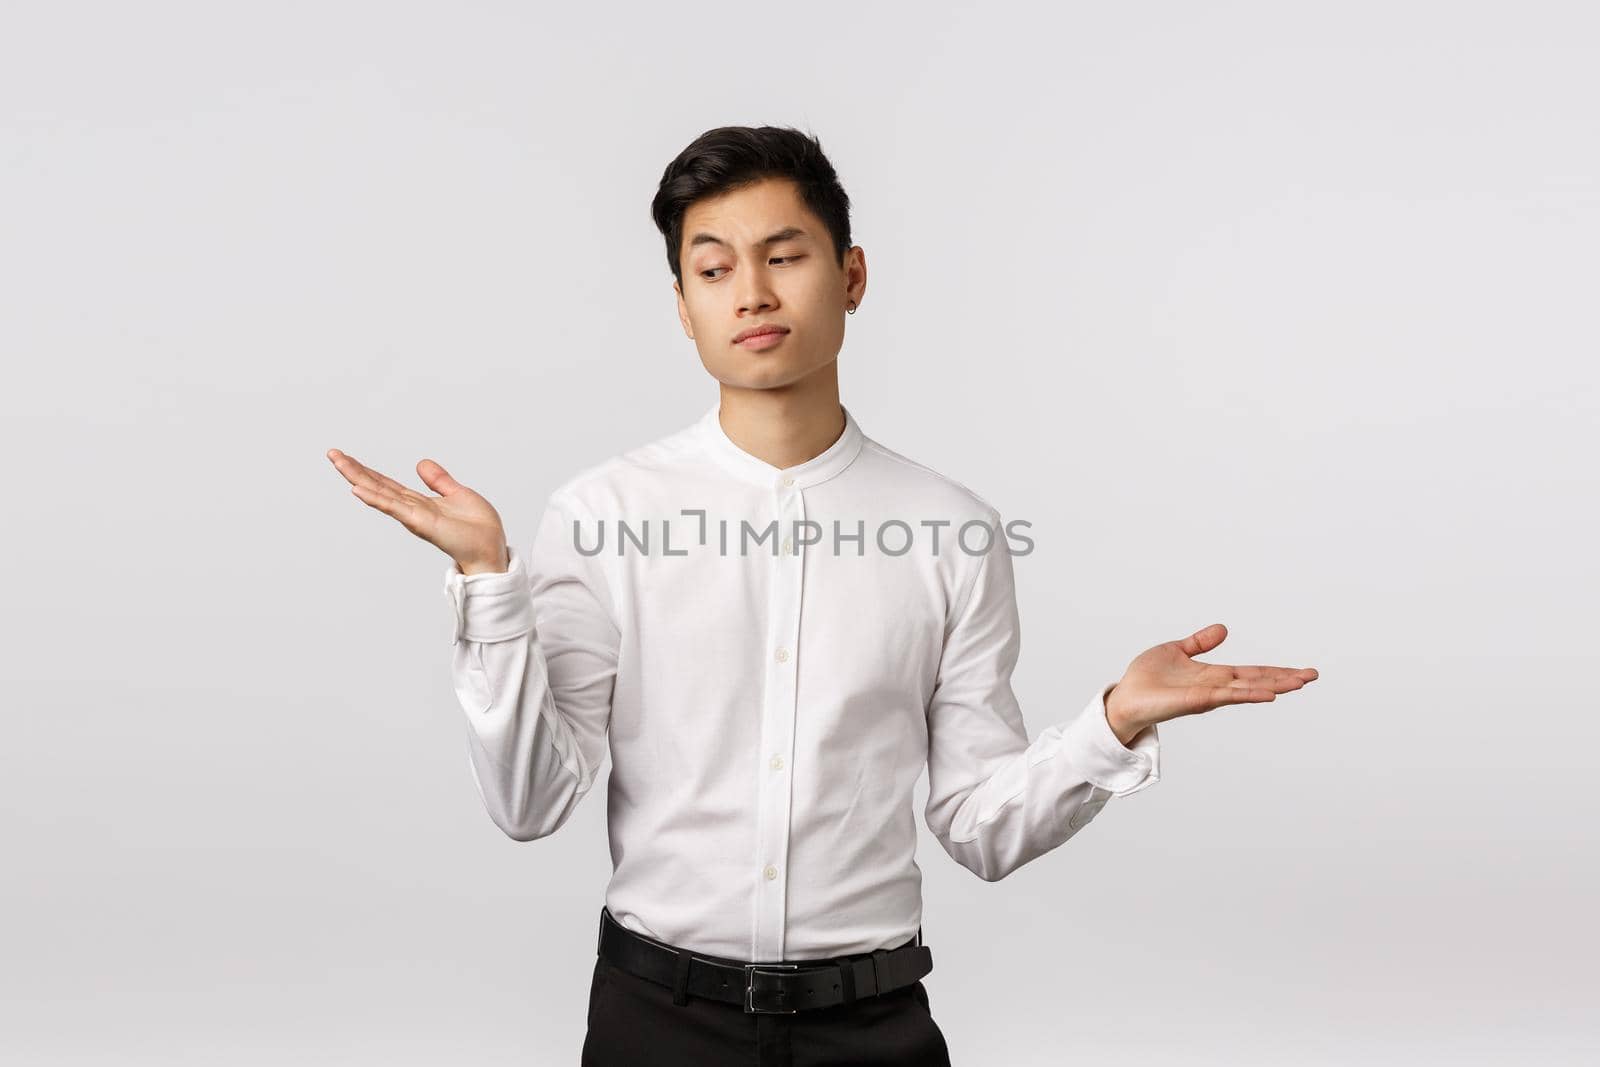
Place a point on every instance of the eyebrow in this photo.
(784, 234)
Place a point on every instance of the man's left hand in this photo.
(1166, 681)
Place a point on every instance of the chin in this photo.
(757, 370)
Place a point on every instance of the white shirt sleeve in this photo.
(995, 800)
(534, 658)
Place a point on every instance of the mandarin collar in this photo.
(819, 468)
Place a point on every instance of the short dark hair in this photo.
(729, 157)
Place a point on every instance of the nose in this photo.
(755, 293)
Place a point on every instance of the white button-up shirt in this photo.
(771, 657)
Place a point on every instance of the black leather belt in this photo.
(763, 988)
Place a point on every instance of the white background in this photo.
(1279, 315)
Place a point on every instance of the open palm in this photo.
(458, 521)
(1166, 681)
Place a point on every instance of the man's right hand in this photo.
(459, 522)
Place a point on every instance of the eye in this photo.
(710, 272)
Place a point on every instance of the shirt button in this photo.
(788, 546)
(788, 479)
(771, 872)
(777, 763)
(783, 655)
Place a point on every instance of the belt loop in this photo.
(680, 983)
(880, 969)
(918, 941)
(847, 980)
(600, 939)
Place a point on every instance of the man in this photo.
(768, 709)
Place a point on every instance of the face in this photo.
(757, 256)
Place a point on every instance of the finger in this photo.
(1251, 670)
(384, 501)
(1305, 674)
(1282, 679)
(357, 473)
(1240, 691)
(1236, 693)
(381, 499)
(437, 478)
(388, 483)
(1203, 640)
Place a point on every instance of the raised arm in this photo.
(534, 646)
(995, 799)
(534, 665)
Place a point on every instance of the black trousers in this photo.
(634, 1023)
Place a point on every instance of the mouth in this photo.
(761, 337)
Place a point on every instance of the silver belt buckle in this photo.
(750, 970)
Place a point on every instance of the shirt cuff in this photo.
(1107, 762)
(492, 606)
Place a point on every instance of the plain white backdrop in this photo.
(1278, 315)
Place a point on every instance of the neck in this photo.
(786, 426)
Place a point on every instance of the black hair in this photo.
(730, 157)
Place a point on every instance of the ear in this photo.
(855, 273)
(683, 310)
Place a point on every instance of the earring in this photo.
(851, 310)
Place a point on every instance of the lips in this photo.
(757, 331)
(760, 342)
